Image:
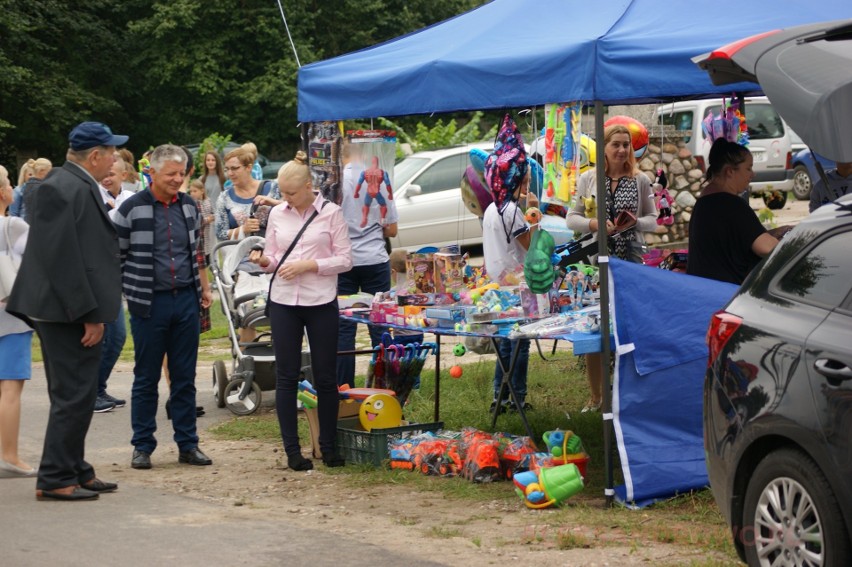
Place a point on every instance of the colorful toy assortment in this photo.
(729, 124)
(541, 479)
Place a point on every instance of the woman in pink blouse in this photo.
(303, 298)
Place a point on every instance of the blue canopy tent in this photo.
(516, 53)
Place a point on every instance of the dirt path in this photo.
(249, 480)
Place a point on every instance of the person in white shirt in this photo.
(505, 239)
(112, 191)
(115, 333)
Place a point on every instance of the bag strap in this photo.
(7, 221)
(253, 207)
(293, 245)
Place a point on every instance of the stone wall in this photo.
(684, 185)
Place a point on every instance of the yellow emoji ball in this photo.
(380, 411)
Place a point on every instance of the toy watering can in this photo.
(550, 487)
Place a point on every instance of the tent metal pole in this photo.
(603, 263)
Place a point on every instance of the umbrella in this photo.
(806, 71)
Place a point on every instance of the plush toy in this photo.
(662, 199)
(591, 207)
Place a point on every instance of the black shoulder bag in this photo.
(287, 253)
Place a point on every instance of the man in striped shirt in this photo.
(158, 230)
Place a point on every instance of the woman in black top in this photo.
(726, 239)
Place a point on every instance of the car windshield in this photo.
(405, 170)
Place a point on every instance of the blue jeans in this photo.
(115, 334)
(519, 375)
(172, 329)
(369, 279)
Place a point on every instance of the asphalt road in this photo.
(143, 526)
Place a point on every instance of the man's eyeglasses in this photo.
(235, 168)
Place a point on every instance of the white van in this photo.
(769, 141)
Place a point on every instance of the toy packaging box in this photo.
(420, 269)
(449, 272)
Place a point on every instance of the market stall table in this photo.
(583, 343)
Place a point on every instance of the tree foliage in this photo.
(177, 70)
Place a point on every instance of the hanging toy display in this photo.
(324, 147)
(373, 152)
(729, 124)
(538, 265)
(662, 199)
(563, 153)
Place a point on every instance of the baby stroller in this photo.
(243, 300)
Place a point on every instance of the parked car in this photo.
(805, 173)
(270, 168)
(769, 141)
(797, 143)
(778, 399)
(427, 191)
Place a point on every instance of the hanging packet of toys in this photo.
(372, 154)
(729, 123)
(566, 155)
(324, 147)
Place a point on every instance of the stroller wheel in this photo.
(220, 382)
(246, 406)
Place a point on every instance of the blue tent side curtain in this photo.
(659, 377)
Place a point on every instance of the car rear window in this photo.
(763, 122)
(824, 275)
(443, 174)
(405, 170)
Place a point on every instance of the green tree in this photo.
(55, 70)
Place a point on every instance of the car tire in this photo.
(788, 496)
(802, 183)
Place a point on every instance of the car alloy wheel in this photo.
(791, 515)
(801, 183)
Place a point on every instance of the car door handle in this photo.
(833, 369)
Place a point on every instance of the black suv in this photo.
(778, 399)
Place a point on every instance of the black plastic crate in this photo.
(371, 447)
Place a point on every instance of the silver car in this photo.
(427, 192)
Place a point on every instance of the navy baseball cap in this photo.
(91, 134)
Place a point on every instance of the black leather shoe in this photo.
(97, 485)
(194, 457)
(70, 494)
(141, 460)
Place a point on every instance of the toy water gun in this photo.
(570, 157)
(553, 134)
(478, 292)
(307, 395)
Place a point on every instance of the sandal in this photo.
(591, 406)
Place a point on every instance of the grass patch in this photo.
(442, 532)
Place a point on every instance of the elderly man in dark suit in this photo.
(69, 285)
